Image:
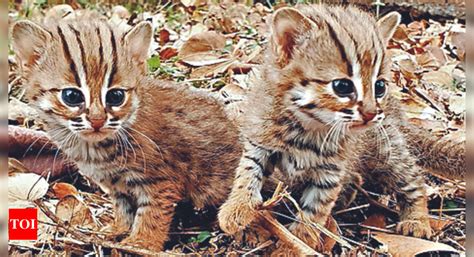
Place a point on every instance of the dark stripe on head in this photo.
(81, 48)
(67, 54)
(341, 49)
(309, 106)
(101, 48)
(114, 58)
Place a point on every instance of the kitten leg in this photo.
(413, 206)
(317, 201)
(125, 208)
(239, 210)
(155, 209)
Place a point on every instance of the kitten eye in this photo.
(72, 97)
(115, 97)
(380, 88)
(343, 87)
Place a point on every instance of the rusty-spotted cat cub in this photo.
(321, 113)
(147, 145)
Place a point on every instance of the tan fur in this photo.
(163, 145)
(316, 141)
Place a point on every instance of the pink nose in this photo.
(97, 124)
(368, 116)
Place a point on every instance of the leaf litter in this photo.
(218, 47)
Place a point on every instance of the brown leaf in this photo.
(62, 190)
(168, 53)
(403, 246)
(164, 37)
(202, 42)
(15, 166)
(69, 209)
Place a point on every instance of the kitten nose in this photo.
(97, 124)
(368, 116)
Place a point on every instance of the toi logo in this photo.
(23, 224)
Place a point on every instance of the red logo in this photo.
(23, 224)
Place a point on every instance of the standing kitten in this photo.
(146, 144)
(322, 113)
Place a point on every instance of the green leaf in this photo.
(450, 205)
(154, 63)
(203, 236)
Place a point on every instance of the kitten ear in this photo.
(29, 41)
(287, 24)
(388, 24)
(138, 40)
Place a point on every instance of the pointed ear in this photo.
(388, 24)
(138, 40)
(287, 25)
(29, 41)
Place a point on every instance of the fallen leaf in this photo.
(201, 48)
(26, 186)
(168, 53)
(62, 190)
(404, 246)
(15, 166)
(74, 212)
(164, 36)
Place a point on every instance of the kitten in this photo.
(147, 144)
(321, 114)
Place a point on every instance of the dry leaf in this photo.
(329, 243)
(15, 166)
(403, 246)
(168, 53)
(200, 49)
(26, 186)
(62, 190)
(164, 36)
(74, 212)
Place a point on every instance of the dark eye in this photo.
(72, 97)
(115, 97)
(343, 87)
(380, 88)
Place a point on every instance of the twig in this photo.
(389, 212)
(92, 240)
(270, 223)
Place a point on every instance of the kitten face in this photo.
(82, 75)
(333, 64)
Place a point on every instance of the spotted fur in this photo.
(315, 140)
(162, 145)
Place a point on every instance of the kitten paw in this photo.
(234, 217)
(416, 228)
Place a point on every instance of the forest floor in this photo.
(217, 47)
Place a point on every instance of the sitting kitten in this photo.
(148, 145)
(321, 114)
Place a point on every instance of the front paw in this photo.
(236, 216)
(284, 250)
(416, 228)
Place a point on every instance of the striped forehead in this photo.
(360, 49)
(90, 50)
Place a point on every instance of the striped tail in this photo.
(439, 155)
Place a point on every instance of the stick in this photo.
(271, 224)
